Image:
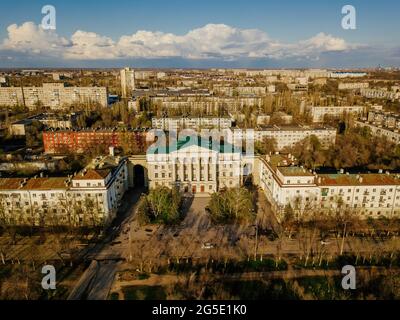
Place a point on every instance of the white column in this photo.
(190, 175)
(198, 169)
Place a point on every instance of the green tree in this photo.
(232, 206)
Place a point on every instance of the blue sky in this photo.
(293, 33)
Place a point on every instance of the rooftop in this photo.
(294, 171)
(45, 184)
(92, 174)
(372, 179)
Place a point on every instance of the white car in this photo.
(207, 245)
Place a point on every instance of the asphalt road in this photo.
(105, 256)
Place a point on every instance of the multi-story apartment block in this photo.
(11, 96)
(90, 197)
(285, 136)
(379, 94)
(353, 85)
(392, 134)
(50, 120)
(347, 74)
(79, 141)
(52, 95)
(386, 119)
(289, 186)
(318, 113)
(179, 123)
(240, 91)
(127, 82)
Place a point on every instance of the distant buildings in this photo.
(379, 94)
(80, 141)
(392, 134)
(89, 198)
(298, 87)
(195, 123)
(50, 120)
(52, 95)
(319, 113)
(127, 82)
(347, 74)
(352, 85)
(286, 136)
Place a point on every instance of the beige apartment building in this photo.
(127, 82)
(52, 95)
(319, 113)
(285, 136)
(90, 197)
(180, 123)
(371, 195)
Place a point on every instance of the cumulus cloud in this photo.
(210, 41)
(30, 38)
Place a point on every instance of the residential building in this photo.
(127, 82)
(89, 198)
(319, 113)
(179, 123)
(391, 134)
(353, 85)
(285, 136)
(287, 185)
(82, 140)
(52, 95)
(379, 94)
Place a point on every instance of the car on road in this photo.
(208, 245)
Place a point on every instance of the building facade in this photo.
(366, 195)
(89, 198)
(80, 141)
(52, 95)
(285, 136)
(195, 166)
(319, 113)
(179, 123)
(127, 82)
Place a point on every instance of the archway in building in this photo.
(247, 174)
(138, 176)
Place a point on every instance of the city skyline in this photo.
(250, 34)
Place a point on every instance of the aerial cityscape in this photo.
(218, 158)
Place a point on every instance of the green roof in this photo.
(200, 142)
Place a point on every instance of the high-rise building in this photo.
(127, 81)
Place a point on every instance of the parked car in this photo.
(207, 245)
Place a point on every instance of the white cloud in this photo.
(30, 38)
(210, 41)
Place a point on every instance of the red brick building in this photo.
(81, 141)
